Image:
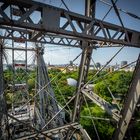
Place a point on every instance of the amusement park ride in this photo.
(41, 117)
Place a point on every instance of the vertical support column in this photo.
(47, 103)
(129, 105)
(85, 62)
(83, 70)
(26, 74)
(39, 87)
(1, 87)
(3, 110)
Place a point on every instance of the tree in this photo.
(105, 128)
(118, 83)
(101, 89)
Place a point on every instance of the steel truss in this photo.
(3, 109)
(19, 91)
(129, 107)
(115, 113)
(68, 25)
(47, 104)
(84, 67)
(60, 27)
(54, 131)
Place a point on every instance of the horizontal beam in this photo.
(20, 49)
(102, 103)
(22, 35)
(52, 21)
(53, 132)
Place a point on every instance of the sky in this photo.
(102, 55)
(62, 55)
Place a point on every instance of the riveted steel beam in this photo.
(56, 21)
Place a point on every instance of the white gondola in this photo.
(22, 113)
(71, 82)
(19, 64)
(18, 86)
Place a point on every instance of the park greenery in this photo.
(118, 83)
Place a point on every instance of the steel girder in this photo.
(54, 21)
(22, 35)
(114, 112)
(130, 103)
(84, 67)
(3, 107)
(68, 29)
(47, 103)
(83, 71)
(85, 62)
(54, 131)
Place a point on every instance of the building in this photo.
(123, 63)
(19, 64)
(65, 68)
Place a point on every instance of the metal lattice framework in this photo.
(60, 27)
(47, 106)
(71, 31)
